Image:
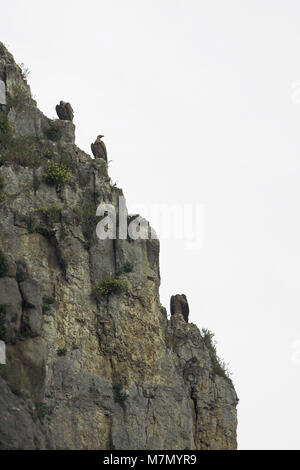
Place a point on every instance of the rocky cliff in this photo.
(92, 361)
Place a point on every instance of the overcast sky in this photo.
(198, 103)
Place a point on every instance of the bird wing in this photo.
(58, 111)
(70, 111)
(103, 147)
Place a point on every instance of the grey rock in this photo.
(31, 293)
(19, 430)
(105, 373)
(2, 93)
(10, 297)
(32, 303)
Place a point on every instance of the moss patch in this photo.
(50, 214)
(118, 393)
(111, 286)
(57, 175)
(47, 302)
(54, 133)
(128, 267)
(61, 352)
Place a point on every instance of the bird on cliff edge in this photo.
(64, 111)
(99, 149)
(179, 305)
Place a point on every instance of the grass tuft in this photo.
(57, 175)
(220, 367)
(54, 133)
(111, 286)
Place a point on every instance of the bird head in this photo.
(100, 136)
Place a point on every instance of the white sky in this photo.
(195, 100)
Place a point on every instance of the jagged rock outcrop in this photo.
(88, 371)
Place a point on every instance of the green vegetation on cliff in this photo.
(109, 287)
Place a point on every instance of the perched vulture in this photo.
(64, 111)
(179, 305)
(99, 149)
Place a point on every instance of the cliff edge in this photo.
(92, 361)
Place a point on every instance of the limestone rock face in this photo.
(85, 371)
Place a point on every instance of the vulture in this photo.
(99, 149)
(64, 111)
(179, 305)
